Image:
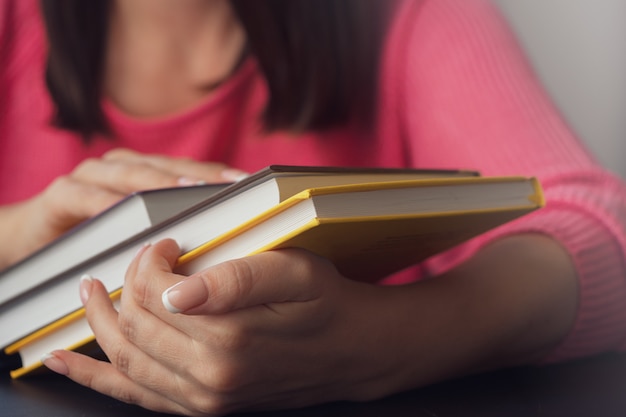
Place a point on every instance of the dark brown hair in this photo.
(320, 59)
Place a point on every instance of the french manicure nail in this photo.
(55, 364)
(165, 298)
(85, 288)
(184, 295)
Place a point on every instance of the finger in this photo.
(68, 202)
(102, 317)
(187, 169)
(127, 359)
(148, 276)
(122, 176)
(104, 378)
(150, 273)
(270, 277)
(144, 321)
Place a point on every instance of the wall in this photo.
(579, 50)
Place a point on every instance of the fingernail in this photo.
(85, 288)
(55, 364)
(188, 181)
(142, 249)
(183, 296)
(233, 174)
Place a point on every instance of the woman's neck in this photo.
(166, 55)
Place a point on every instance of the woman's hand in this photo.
(278, 329)
(283, 329)
(93, 186)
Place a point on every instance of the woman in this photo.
(242, 84)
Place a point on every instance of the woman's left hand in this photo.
(278, 329)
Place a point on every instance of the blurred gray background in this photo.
(578, 48)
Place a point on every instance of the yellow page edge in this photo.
(50, 328)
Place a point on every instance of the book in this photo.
(367, 230)
(372, 230)
(133, 214)
(43, 299)
(71, 333)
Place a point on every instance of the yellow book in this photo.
(71, 332)
(367, 230)
(372, 230)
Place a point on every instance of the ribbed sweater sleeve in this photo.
(471, 100)
(6, 24)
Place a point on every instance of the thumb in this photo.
(269, 277)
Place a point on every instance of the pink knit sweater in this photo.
(456, 92)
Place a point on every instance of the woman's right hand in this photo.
(94, 185)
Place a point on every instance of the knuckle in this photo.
(227, 338)
(224, 380)
(209, 171)
(119, 172)
(217, 168)
(118, 356)
(138, 289)
(127, 326)
(59, 190)
(305, 267)
(231, 284)
(59, 182)
(124, 395)
(241, 280)
(184, 160)
(205, 404)
(304, 263)
(88, 379)
(86, 165)
(231, 339)
(227, 381)
(116, 153)
(59, 185)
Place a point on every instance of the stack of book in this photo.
(369, 222)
